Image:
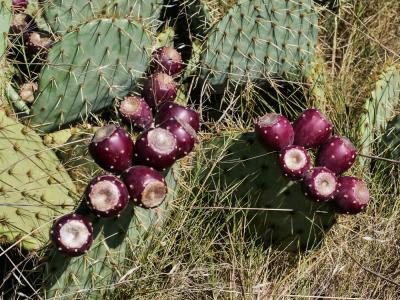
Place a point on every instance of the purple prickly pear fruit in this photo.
(112, 148)
(136, 111)
(167, 60)
(295, 161)
(38, 42)
(171, 110)
(353, 195)
(274, 131)
(72, 234)
(320, 184)
(185, 135)
(22, 23)
(337, 154)
(146, 186)
(107, 196)
(159, 88)
(20, 5)
(311, 129)
(157, 148)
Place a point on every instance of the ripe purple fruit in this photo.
(353, 195)
(171, 110)
(337, 154)
(295, 161)
(112, 148)
(72, 234)
(185, 135)
(159, 88)
(311, 129)
(20, 5)
(107, 196)
(167, 60)
(157, 148)
(136, 111)
(320, 184)
(146, 186)
(274, 131)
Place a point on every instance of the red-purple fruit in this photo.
(107, 196)
(353, 195)
(136, 111)
(274, 131)
(185, 135)
(146, 186)
(320, 184)
(112, 148)
(295, 161)
(72, 234)
(167, 60)
(337, 154)
(157, 148)
(159, 88)
(311, 129)
(171, 110)
(20, 5)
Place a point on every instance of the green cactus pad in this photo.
(97, 272)
(65, 14)
(391, 139)
(34, 186)
(260, 39)
(88, 69)
(280, 214)
(380, 108)
(5, 20)
(198, 16)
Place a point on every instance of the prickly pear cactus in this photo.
(34, 186)
(97, 272)
(88, 69)
(62, 15)
(198, 16)
(279, 213)
(260, 39)
(380, 108)
(391, 139)
(5, 20)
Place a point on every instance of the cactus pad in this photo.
(380, 108)
(5, 20)
(93, 274)
(34, 186)
(64, 14)
(87, 69)
(260, 39)
(286, 217)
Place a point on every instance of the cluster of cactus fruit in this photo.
(334, 156)
(138, 164)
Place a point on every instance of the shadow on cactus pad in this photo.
(277, 211)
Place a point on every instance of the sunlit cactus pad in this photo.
(279, 212)
(5, 20)
(258, 39)
(88, 68)
(62, 15)
(34, 186)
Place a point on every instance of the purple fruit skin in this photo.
(311, 129)
(114, 153)
(274, 136)
(122, 200)
(310, 188)
(159, 88)
(294, 174)
(167, 60)
(337, 154)
(55, 234)
(137, 178)
(20, 5)
(141, 117)
(148, 156)
(171, 110)
(347, 200)
(185, 139)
